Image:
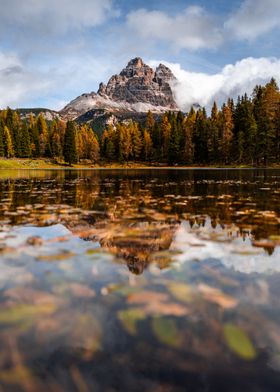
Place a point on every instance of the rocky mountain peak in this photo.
(136, 67)
(138, 88)
(164, 73)
(139, 83)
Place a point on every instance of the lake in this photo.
(140, 280)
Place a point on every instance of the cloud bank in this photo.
(54, 16)
(192, 29)
(254, 18)
(233, 80)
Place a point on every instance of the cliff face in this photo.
(138, 88)
(140, 83)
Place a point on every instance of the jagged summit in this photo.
(137, 88)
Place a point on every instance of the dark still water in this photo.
(145, 280)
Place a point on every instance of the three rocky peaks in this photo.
(138, 88)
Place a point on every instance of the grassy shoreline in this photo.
(41, 164)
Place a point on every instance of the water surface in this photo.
(140, 280)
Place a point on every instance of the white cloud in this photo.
(48, 85)
(254, 18)
(233, 80)
(55, 16)
(192, 29)
(16, 83)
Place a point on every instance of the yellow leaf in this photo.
(181, 291)
(166, 331)
(238, 341)
(21, 313)
(129, 319)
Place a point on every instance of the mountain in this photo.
(137, 89)
(48, 114)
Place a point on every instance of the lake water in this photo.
(140, 280)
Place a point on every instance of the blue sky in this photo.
(54, 50)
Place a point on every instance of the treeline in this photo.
(35, 137)
(245, 132)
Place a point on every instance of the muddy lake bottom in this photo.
(140, 280)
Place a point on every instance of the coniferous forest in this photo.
(243, 132)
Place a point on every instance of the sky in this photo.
(51, 51)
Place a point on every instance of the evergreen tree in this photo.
(188, 146)
(166, 132)
(2, 150)
(70, 148)
(147, 145)
(44, 140)
(137, 142)
(174, 144)
(213, 141)
(24, 145)
(8, 143)
(227, 133)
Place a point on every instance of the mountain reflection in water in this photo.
(153, 280)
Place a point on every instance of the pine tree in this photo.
(166, 132)
(137, 142)
(174, 145)
(227, 133)
(200, 137)
(70, 147)
(213, 141)
(150, 122)
(147, 145)
(56, 141)
(125, 142)
(2, 150)
(44, 140)
(24, 145)
(8, 143)
(93, 148)
(188, 146)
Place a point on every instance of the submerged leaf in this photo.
(181, 291)
(166, 331)
(21, 313)
(129, 319)
(143, 297)
(56, 257)
(238, 341)
(217, 296)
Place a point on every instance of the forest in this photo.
(245, 132)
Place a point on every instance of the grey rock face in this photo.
(140, 83)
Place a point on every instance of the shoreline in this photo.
(44, 164)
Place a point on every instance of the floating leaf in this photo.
(129, 319)
(239, 342)
(166, 331)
